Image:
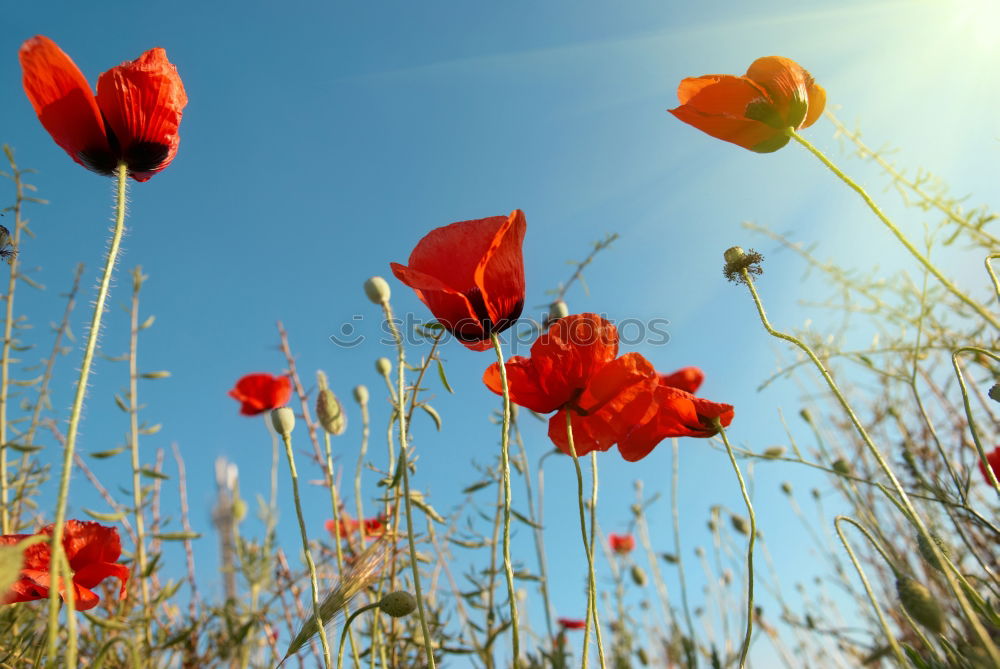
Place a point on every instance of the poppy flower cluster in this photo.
(622, 544)
(92, 551)
(258, 393)
(470, 275)
(752, 111)
(574, 369)
(134, 118)
(373, 527)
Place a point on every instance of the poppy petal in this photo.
(142, 101)
(817, 102)
(88, 542)
(65, 104)
(500, 273)
(676, 414)
(787, 86)
(720, 94)
(258, 393)
(93, 574)
(523, 384)
(571, 352)
(748, 133)
(451, 307)
(688, 379)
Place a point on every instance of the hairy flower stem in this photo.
(56, 551)
(400, 397)
(505, 476)
(909, 510)
(335, 503)
(592, 613)
(753, 536)
(945, 281)
(347, 632)
(313, 581)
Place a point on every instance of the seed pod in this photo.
(377, 290)
(841, 466)
(398, 604)
(786, 488)
(919, 603)
(740, 524)
(638, 575)
(361, 394)
(557, 310)
(283, 420)
(774, 452)
(383, 366)
(643, 658)
(928, 555)
(330, 413)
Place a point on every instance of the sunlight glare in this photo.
(980, 19)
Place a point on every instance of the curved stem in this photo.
(993, 276)
(591, 579)
(906, 504)
(692, 656)
(945, 281)
(890, 637)
(286, 438)
(505, 476)
(990, 474)
(81, 391)
(344, 634)
(753, 536)
(400, 398)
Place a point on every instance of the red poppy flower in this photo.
(133, 119)
(623, 544)
(374, 527)
(470, 275)
(993, 457)
(92, 551)
(574, 367)
(571, 623)
(752, 111)
(261, 392)
(687, 379)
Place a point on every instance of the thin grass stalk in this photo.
(505, 478)
(921, 258)
(347, 632)
(990, 474)
(904, 501)
(598, 633)
(401, 417)
(62, 499)
(690, 651)
(993, 275)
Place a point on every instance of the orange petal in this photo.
(688, 379)
(572, 351)
(500, 272)
(87, 542)
(817, 102)
(747, 133)
(524, 385)
(719, 94)
(451, 307)
(142, 101)
(65, 104)
(787, 85)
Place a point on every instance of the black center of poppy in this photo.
(99, 160)
(484, 327)
(145, 156)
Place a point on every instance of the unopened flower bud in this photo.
(928, 554)
(557, 310)
(283, 420)
(383, 366)
(361, 394)
(786, 488)
(398, 604)
(377, 290)
(919, 603)
(994, 392)
(638, 575)
(739, 524)
(331, 415)
(841, 466)
(642, 656)
(774, 452)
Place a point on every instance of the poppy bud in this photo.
(774, 452)
(638, 575)
(739, 524)
(283, 420)
(398, 604)
(815, 493)
(994, 392)
(928, 554)
(330, 413)
(841, 467)
(642, 657)
(383, 366)
(557, 310)
(669, 558)
(361, 394)
(377, 290)
(919, 603)
(734, 254)
(786, 488)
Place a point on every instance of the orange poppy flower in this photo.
(133, 118)
(258, 393)
(574, 367)
(92, 551)
(470, 275)
(623, 544)
(754, 110)
(571, 623)
(993, 457)
(374, 527)
(687, 379)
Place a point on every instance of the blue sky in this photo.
(322, 140)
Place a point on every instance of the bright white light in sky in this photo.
(980, 19)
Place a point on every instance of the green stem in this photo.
(81, 391)
(313, 581)
(889, 636)
(990, 474)
(993, 276)
(400, 397)
(945, 281)
(505, 476)
(346, 632)
(753, 536)
(335, 503)
(598, 634)
(908, 508)
(592, 613)
(689, 650)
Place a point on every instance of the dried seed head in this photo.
(283, 420)
(377, 290)
(331, 415)
(741, 264)
(361, 394)
(919, 603)
(398, 604)
(928, 555)
(638, 575)
(383, 366)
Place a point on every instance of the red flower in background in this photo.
(571, 623)
(623, 544)
(688, 379)
(993, 457)
(92, 551)
(133, 119)
(258, 393)
(470, 275)
(574, 367)
(374, 527)
(752, 111)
